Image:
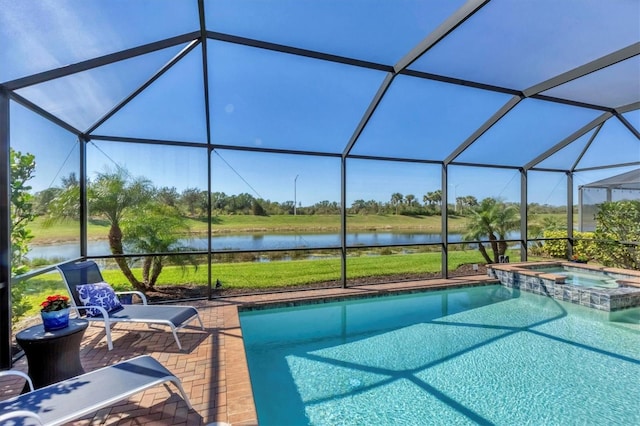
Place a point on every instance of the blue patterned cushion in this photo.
(98, 294)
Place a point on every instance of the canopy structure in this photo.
(625, 186)
(320, 102)
(535, 84)
(629, 180)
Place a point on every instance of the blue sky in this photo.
(261, 98)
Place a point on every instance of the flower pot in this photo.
(55, 320)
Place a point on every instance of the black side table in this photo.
(52, 356)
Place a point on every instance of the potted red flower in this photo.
(579, 258)
(55, 312)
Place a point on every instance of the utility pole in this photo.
(295, 195)
(455, 197)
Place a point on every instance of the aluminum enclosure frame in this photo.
(8, 92)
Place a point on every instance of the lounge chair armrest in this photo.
(138, 293)
(102, 310)
(21, 415)
(18, 373)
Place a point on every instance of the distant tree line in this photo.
(193, 203)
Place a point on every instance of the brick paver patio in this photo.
(212, 364)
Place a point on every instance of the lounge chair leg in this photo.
(176, 382)
(201, 324)
(175, 336)
(107, 331)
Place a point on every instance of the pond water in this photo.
(258, 242)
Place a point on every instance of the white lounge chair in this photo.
(88, 272)
(71, 399)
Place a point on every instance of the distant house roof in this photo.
(628, 180)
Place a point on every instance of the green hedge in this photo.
(583, 246)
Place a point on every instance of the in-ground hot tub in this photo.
(607, 289)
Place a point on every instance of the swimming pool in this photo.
(482, 355)
(582, 279)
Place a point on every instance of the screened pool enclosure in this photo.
(625, 186)
(330, 132)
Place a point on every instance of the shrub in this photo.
(583, 244)
(617, 234)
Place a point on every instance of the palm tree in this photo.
(111, 195)
(410, 198)
(470, 201)
(493, 219)
(155, 228)
(437, 196)
(507, 219)
(396, 199)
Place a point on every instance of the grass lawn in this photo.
(257, 275)
(287, 273)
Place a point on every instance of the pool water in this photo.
(484, 355)
(582, 279)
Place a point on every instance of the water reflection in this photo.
(259, 242)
